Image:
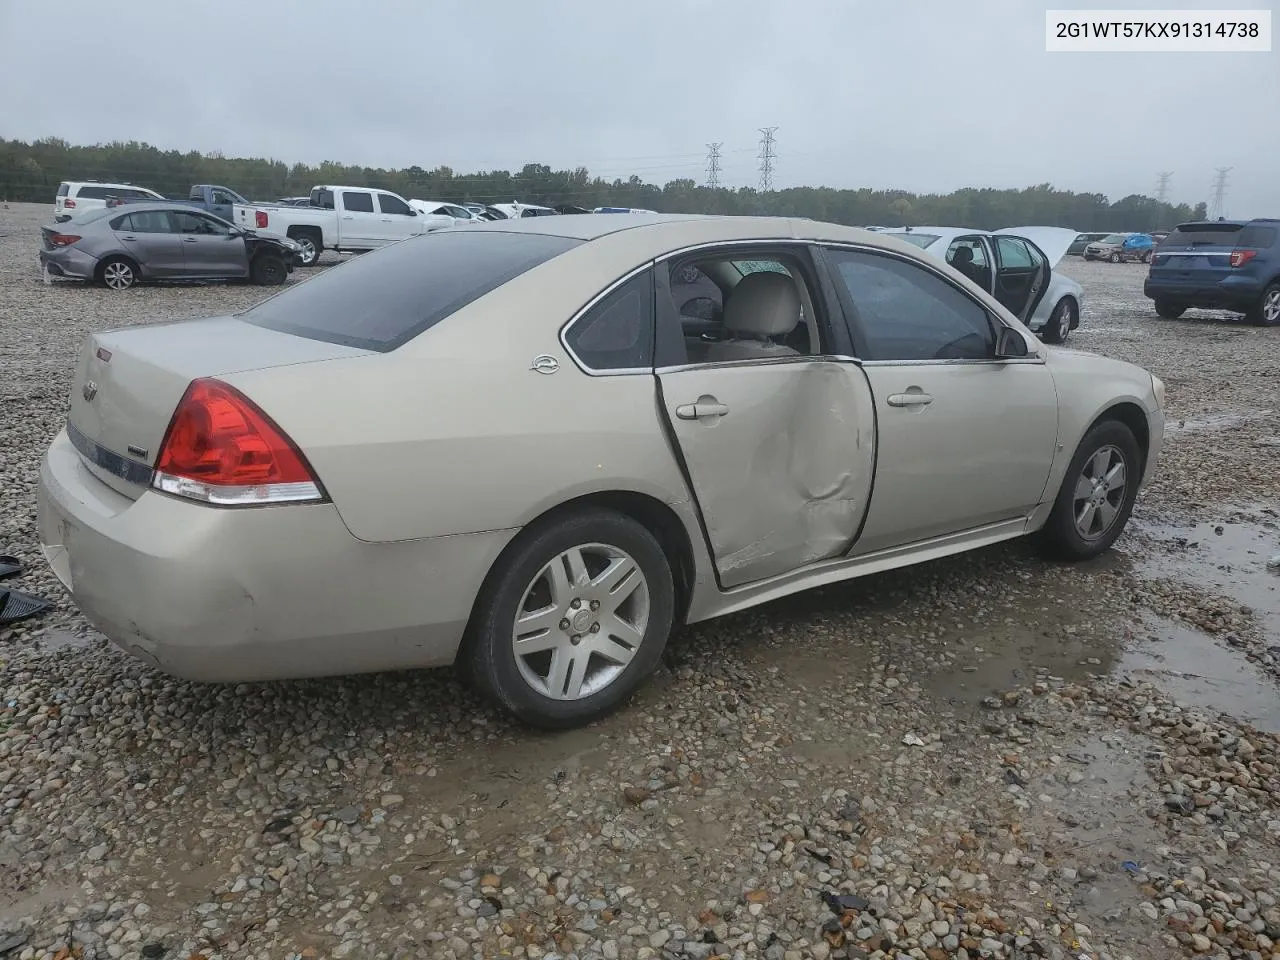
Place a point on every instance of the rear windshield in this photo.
(1188, 234)
(921, 240)
(384, 299)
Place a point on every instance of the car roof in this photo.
(1232, 223)
(181, 205)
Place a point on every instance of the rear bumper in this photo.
(1238, 294)
(69, 262)
(253, 594)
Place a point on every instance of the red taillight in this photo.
(260, 218)
(1240, 257)
(63, 239)
(221, 448)
(68, 202)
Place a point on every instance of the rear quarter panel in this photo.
(455, 433)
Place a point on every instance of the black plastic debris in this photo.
(840, 902)
(9, 567)
(16, 605)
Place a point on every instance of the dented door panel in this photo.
(780, 456)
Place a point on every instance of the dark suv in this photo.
(1218, 264)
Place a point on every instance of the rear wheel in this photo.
(118, 273)
(268, 270)
(1060, 322)
(572, 619)
(1097, 494)
(309, 244)
(1146, 256)
(1169, 310)
(1267, 311)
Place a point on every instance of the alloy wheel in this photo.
(118, 275)
(1100, 492)
(1271, 308)
(581, 621)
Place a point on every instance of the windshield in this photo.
(921, 240)
(1115, 238)
(386, 298)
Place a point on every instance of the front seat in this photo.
(763, 305)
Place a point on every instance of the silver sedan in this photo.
(535, 447)
(122, 246)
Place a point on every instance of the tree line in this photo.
(31, 172)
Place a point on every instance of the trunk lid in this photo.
(128, 383)
(1196, 253)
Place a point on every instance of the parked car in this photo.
(222, 202)
(1157, 236)
(448, 213)
(122, 246)
(515, 211)
(75, 197)
(622, 210)
(1218, 264)
(345, 219)
(1016, 265)
(503, 446)
(570, 209)
(1117, 247)
(1082, 240)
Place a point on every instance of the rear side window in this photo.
(92, 193)
(144, 221)
(1197, 234)
(322, 198)
(384, 299)
(63, 188)
(1258, 237)
(617, 332)
(357, 202)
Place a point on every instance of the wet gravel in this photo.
(988, 756)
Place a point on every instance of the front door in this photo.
(777, 437)
(964, 439)
(151, 238)
(396, 219)
(211, 247)
(1022, 275)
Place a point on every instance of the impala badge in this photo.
(545, 363)
(90, 391)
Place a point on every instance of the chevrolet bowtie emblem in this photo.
(90, 391)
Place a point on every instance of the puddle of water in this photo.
(58, 639)
(1212, 421)
(1229, 557)
(1197, 672)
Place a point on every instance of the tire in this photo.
(1060, 323)
(268, 270)
(1114, 258)
(311, 243)
(1266, 313)
(1106, 444)
(1169, 310)
(1146, 256)
(521, 579)
(118, 273)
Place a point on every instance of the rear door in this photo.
(210, 247)
(777, 432)
(1196, 254)
(359, 222)
(1022, 275)
(151, 238)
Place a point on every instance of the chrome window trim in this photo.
(563, 335)
(758, 362)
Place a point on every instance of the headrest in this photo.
(962, 255)
(764, 304)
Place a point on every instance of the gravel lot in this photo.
(987, 756)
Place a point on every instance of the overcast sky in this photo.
(926, 96)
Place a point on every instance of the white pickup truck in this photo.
(345, 219)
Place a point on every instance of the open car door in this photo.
(1052, 241)
(1022, 274)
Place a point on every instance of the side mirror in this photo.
(1011, 345)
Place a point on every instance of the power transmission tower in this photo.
(1219, 193)
(767, 156)
(713, 165)
(1162, 186)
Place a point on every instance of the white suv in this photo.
(75, 196)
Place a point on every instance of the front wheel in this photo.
(268, 271)
(572, 619)
(1060, 323)
(1097, 494)
(1267, 311)
(1114, 258)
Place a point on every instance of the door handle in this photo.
(348, 217)
(910, 399)
(705, 408)
(130, 239)
(189, 240)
